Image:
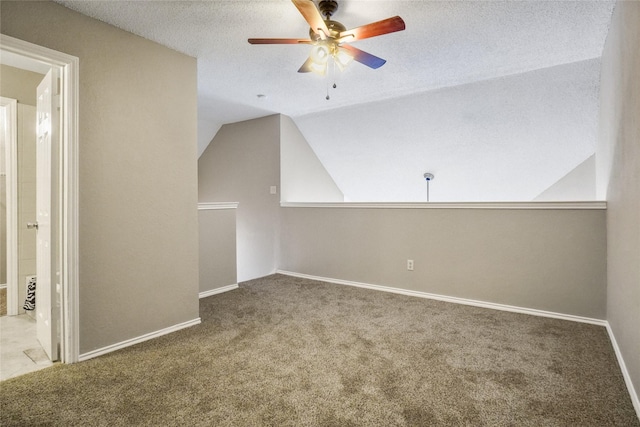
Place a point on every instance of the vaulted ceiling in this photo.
(499, 99)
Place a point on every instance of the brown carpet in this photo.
(283, 351)
(3, 302)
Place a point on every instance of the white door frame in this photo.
(10, 113)
(66, 262)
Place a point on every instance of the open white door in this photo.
(47, 300)
(9, 113)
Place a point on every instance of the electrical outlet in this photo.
(410, 264)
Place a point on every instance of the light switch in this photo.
(273, 189)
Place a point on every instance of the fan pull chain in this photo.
(335, 73)
(329, 71)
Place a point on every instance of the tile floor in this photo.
(17, 335)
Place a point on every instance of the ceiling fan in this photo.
(329, 38)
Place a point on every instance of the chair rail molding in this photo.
(207, 206)
(456, 205)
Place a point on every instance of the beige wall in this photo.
(19, 84)
(620, 145)
(550, 260)
(217, 248)
(240, 165)
(137, 173)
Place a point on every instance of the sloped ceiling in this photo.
(497, 98)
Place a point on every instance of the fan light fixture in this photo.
(321, 54)
(327, 43)
(329, 38)
(320, 57)
(342, 58)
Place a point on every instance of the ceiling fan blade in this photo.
(311, 14)
(363, 57)
(279, 41)
(306, 67)
(386, 26)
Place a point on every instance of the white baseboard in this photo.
(137, 340)
(218, 290)
(456, 300)
(625, 372)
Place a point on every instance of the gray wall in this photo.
(240, 165)
(137, 173)
(19, 84)
(217, 248)
(620, 144)
(543, 259)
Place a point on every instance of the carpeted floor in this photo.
(283, 351)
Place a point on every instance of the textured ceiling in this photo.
(445, 44)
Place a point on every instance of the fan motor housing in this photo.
(328, 8)
(335, 28)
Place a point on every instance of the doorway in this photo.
(63, 245)
(20, 347)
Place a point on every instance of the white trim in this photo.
(137, 340)
(466, 205)
(217, 205)
(19, 61)
(217, 291)
(3, 285)
(70, 267)
(625, 372)
(10, 109)
(455, 300)
(68, 201)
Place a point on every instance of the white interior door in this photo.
(9, 113)
(47, 301)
